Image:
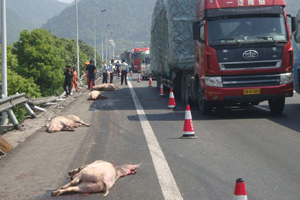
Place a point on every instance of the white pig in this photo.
(96, 95)
(98, 176)
(64, 123)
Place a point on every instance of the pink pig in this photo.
(98, 176)
(64, 123)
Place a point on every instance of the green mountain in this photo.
(129, 22)
(29, 14)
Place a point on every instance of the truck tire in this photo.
(276, 105)
(184, 92)
(205, 107)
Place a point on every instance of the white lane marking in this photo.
(165, 177)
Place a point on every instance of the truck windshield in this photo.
(137, 55)
(238, 30)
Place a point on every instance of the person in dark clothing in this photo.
(68, 80)
(118, 69)
(91, 68)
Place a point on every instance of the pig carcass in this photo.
(64, 123)
(96, 95)
(105, 87)
(98, 176)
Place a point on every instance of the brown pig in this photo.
(96, 95)
(64, 123)
(98, 176)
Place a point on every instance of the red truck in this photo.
(137, 52)
(242, 52)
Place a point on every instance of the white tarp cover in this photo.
(172, 44)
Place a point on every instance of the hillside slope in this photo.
(129, 21)
(29, 14)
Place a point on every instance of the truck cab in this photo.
(243, 54)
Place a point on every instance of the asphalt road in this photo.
(235, 142)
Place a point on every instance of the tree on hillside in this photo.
(41, 56)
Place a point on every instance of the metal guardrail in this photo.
(7, 103)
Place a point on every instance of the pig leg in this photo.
(74, 172)
(83, 187)
(83, 123)
(74, 182)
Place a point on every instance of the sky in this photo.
(66, 1)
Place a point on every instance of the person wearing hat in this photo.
(68, 80)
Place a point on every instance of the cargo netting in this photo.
(172, 44)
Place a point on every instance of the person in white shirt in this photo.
(104, 72)
(110, 69)
(125, 69)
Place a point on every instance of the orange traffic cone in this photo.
(240, 190)
(161, 90)
(188, 128)
(171, 100)
(139, 78)
(150, 81)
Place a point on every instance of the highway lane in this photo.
(242, 142)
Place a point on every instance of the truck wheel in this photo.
(205, 107)
(184, 92)
(276, 105)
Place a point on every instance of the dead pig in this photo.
(98, 176)
(96, 95)
(64, 123)
(105, 87)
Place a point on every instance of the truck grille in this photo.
(250, 65)
(251, 81)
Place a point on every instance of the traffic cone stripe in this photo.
(150, 82)
(240, 190)
(188, 128)
(188, 125)
(161, 91)
(171, 99)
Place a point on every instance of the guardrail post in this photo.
(13, 119)
(28, 109)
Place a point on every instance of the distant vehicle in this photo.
(145, 64)
(137, 52)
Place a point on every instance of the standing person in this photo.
(118, 69)
(87, 72)
(110, 68)
(68, 80)
(91, 68)
(124, 68)
(74, 80)
(104, 72)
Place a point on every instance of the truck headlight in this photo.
(286, 78)
(214, 81)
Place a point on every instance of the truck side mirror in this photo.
(294, 26)
(196, 30)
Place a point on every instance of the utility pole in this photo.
(77, 38)
(4, 57)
